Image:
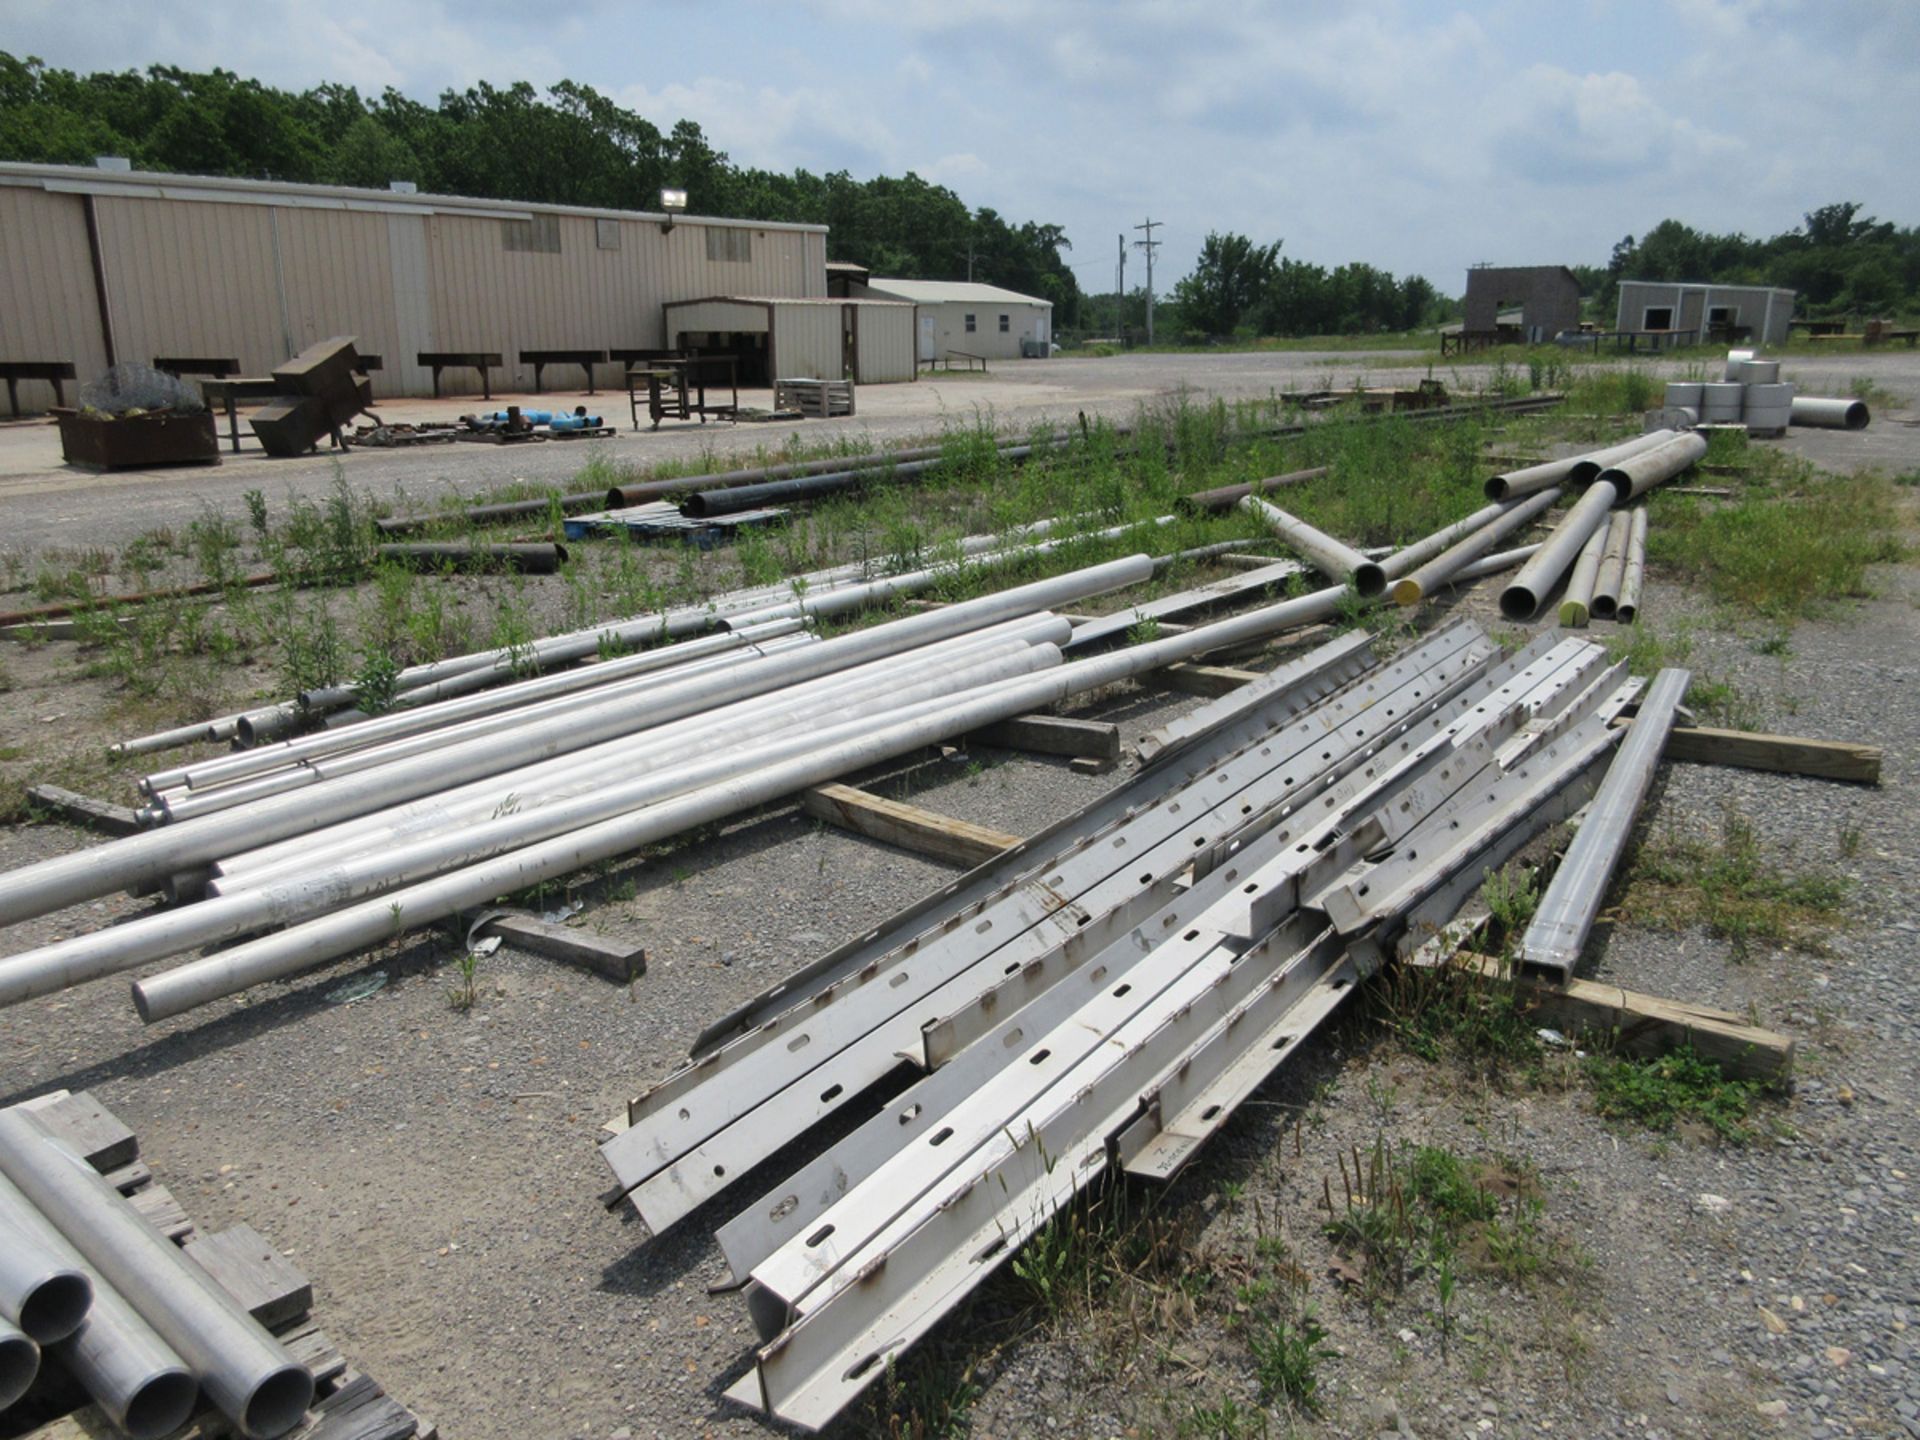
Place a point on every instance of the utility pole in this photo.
(1120, 293)
(969, 260)
(1148, 245)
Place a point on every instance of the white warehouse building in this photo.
(961, 317)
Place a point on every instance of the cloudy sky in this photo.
(1418, 136)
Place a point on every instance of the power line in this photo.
(1149, 245)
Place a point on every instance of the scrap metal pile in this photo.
(1102, 997)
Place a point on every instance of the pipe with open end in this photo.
(1636, 572)
(1576, 606)
(1411, 589)
(1333, 558)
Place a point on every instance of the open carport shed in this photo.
(782, 338)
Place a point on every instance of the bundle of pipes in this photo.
(142, 1328)
(1225, 904)
(1621, 481)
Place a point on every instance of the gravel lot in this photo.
(434, 1169)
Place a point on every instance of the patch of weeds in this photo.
(1723, 703)
(465, 991)
(1727, 885)
(1670, 1089)
(1229, 1420)
(1287, 1352)
(1459, 1012)
(1645, 651)
(1511, 896)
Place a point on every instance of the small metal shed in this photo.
(781, 338)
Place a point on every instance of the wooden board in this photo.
(924, 832)
(87, 1125)
(80, 809)
(1785, 754)
(614, 959)
(1054, 735)
(254, 1273)
(1207, 680)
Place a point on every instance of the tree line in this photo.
(570, 146)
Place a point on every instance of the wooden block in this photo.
(1054, 735)
(358, 1410)
(911, 828)
(614, 959)
(1640, 1024)
(88, 1126)
(314, 1348)
(1207, 680)
(1088, 765)
(84, 810)
(1786, 754)
(129, 1178)
(254, 1273)
(158, 1208)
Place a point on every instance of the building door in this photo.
(926, 337)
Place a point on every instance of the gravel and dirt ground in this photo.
(433, 1167)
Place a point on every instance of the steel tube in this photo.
(1613, 566)
(168, 739)
(43, 1287)
(19, 1364)
(1225, 497)
(1636, 571)
(117, 1355)
(526, 559)
(1512, 484)
(1639, 473)
(246, 1373)
(302, 946)
(1411, 589)
(51, 884)
(1820, 413)
(1578, 602)
(1559, 929)
(1591, 464)
(1332, 558)
(1522, 598)
(1412, 557)
(732, 499)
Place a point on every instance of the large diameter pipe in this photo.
(1512, 484)
(1821, 413)
(302, 946)
(43, 1288)
(1613, 566)
(1559, 929)
(1411, 589)
(1636, 572)
(53, 884)
(1333, 558)
(1638, 474)
(368, 872)
(1588, 466)
(19, 1363)
(1523, 596)
(1577, 605)
(128, 1370)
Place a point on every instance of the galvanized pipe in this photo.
(1613, 566)
(52, 884)
(1559, 930)
(43, 1287)
(1638, 474)
(19, 1364)
(1588, 466)
(1577, 605)
(1512, 484)
(1410, 558)
(172, 739)
(1333, 558)
(526, 559)
(1636, 572)
(1522, 598)
(1411, 589)
(1820, 413)
(861, 691)
(245, 1372)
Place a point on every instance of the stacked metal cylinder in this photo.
(1749, 392)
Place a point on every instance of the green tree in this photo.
(1227, 282)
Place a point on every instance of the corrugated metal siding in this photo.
(886, 343)
(707, 316)
(47, 305)
(338, 271)
(808, 343)
(189, 279)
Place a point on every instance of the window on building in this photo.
(1657, 317)
(606, 234)
(1722, 315)
(1005, 324)
(726, 245)
(539, 234)
(970, 325)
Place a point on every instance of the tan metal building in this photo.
(98, 265)
(868, 341)
(961, 317)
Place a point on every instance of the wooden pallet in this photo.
(661, 520)
(347, 1404)
(815, 399)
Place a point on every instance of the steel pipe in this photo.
(170, 739)
(1577, 605)
(1333, 558)
(1637, 474)
(19, 1364)
(1411, 589)
(1225, 497)
(525, 559)
(52, 884)
(1587, 466)
(1820, 413)
(1613, 566)
(1636, 571)
(246, 1373)
(1559, 929)
(43, 1288)
(1522, 598)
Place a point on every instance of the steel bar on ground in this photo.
(1333, 558)
(246, 1373)
(1613, 566)
(1636, 573)
(525, 559)
(1561, 924)
(1578, 602)
(1443, 567)
(1522, 598)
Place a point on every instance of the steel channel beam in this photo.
(1561, 924)
(1284, 686)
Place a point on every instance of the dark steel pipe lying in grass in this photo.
(533, 559)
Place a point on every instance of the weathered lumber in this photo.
(158, 1207)
(614, 959)
(1786, 754)
(1054, 735)
(107, 818)
(263, 1280)
(1637, 1024)
(1208, 680)
(940, 837)
(86, 1125)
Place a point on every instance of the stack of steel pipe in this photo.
(1577, 604)
(1439, 559)
(1634, 577)
(1613, 566)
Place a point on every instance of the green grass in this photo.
(1673, 1089)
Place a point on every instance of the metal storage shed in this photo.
(1755, 312)
(962, 317)
(782, 338)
